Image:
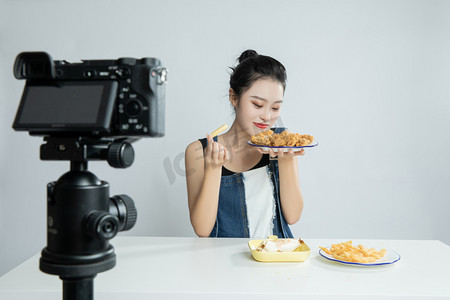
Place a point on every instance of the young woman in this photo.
(237, 190)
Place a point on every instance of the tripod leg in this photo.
(78, 288)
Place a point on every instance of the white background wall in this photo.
(369, 79)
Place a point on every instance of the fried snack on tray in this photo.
(279, 245)
(359, 254)
(284, 139)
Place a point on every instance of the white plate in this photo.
(389, 258)
(281, 148)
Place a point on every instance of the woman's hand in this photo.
(216, 155)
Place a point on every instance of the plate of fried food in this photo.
(274, 249)
(283, 141)
(347, 253)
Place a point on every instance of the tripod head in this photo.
(81, 217)
(118, 152)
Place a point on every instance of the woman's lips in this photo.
(261, 125)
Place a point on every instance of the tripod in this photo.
(81, 217)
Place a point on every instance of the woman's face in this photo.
(259, 107)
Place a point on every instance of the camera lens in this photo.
(133, 108)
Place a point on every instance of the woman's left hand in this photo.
(283, 155)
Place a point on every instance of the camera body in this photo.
(123, 98)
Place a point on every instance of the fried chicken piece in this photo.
(305, 140)
(277, 140)
(292, 140)
(262, 138)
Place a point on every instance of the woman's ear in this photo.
(233, 97)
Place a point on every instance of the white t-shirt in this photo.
(260, 202)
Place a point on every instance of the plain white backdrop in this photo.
(369, 79)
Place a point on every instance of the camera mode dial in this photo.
(127, 61)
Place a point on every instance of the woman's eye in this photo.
(276, 108)
(258, 106)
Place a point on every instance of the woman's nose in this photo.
(265, 116)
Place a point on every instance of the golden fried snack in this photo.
(219, 130)
(292, 140)
(283, 139)
(304, 140)
(262, 138)
(278, 140)
(359, 254)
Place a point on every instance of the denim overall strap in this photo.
(231, 220)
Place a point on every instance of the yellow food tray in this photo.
(299, 254)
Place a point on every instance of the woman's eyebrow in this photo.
(262, 99)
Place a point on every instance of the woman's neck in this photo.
(236, 138)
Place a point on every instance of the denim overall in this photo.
(231, 220)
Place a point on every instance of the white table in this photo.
(194, 268)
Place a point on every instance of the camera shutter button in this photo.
(133, 108)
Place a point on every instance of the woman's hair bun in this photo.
(246, 54)
(252, 67)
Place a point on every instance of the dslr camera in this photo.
(121, 98)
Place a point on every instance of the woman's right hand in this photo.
(216, 155)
